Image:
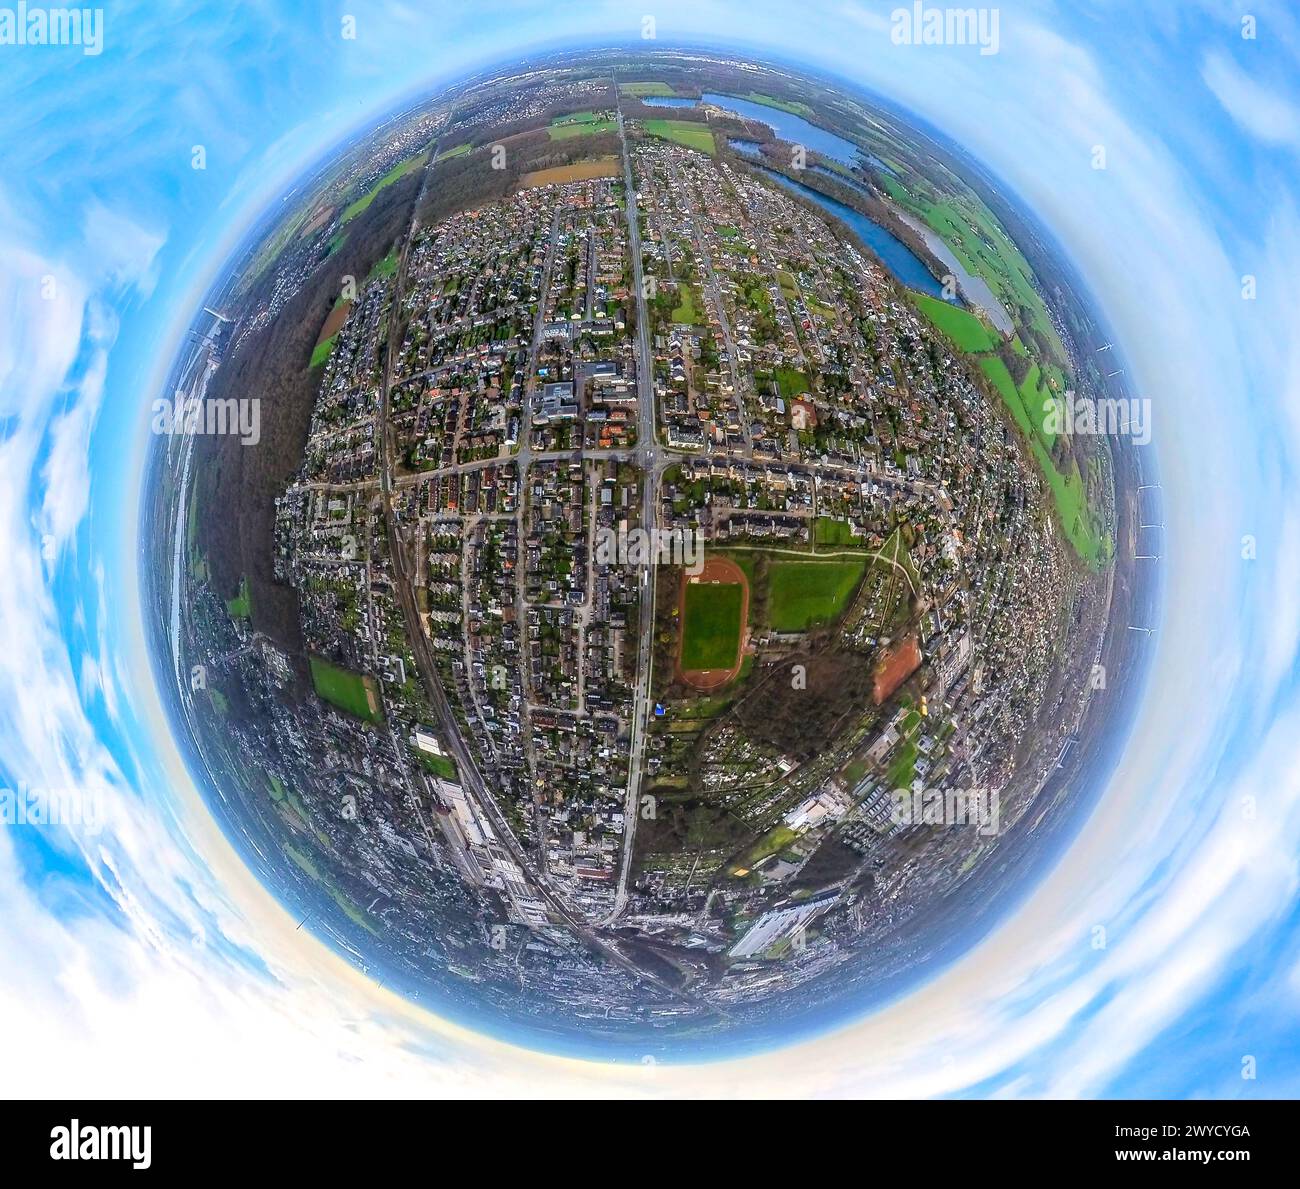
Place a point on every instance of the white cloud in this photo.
(1260, 109)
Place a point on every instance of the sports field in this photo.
(711, 632)
(804, 593)
(348, 691)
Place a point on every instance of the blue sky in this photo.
(145, 959)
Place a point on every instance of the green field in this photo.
(443, 766)
(241, 606)
(985, 250)
(1026, 405)
(399, 171)
(965, 330)
(688, 312)
(321, 352)
(790, 382)
(461, 150)
(583, 123)
(773, 842)
(827, 531)
(386, 267)
(794, 107)
(711, 633)
(693, 136)
(803, 593)
(641, 90)
(345, 689)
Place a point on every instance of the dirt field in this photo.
(895, 668)
(606, 167)
(722, 571)
(334, 323)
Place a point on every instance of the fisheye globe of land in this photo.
(656, 609)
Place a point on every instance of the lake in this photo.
(786, 125)
(974, 289)
(896, 255)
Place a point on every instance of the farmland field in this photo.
(560, 175)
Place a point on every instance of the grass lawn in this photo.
(853, 774)
(773, 842)
(711, 633)
(443, 766)
(790, 381)
(241, 606)
(685, 132)
(688, 312)
(903, 768)
(460, 150)
(347, 690)
(832, 532)
(803, 593)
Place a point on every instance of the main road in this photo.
(651, 467)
